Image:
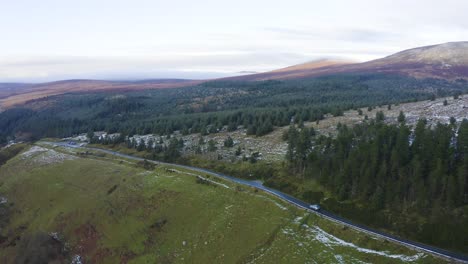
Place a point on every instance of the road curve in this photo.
(296, 202)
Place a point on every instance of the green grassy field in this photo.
(110, 210)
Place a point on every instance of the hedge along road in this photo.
(292, 200)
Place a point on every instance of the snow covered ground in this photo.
(308, 235)
(42, 156)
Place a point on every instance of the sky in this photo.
(146, 39)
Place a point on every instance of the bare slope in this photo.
(36, 91)
(446, 61)
(293, 72)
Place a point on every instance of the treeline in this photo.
(390, 166)
(395, 173)
(210, 107)
(152, 149)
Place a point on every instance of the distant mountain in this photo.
(291, 72)
(26, 92)
(445, 61)
(7, 89)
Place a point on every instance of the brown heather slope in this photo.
(36, 91)
(445, 61)
(293, 72)
(8, 89)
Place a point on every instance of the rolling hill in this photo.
(121, 212)
(444, 61)
(447, 61)
(14, 94)
(292, 72)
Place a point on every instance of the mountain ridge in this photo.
(443, 61)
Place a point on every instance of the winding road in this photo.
(296, 202)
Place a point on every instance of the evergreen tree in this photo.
(379, 116)
(238, 151)
(201, 141)
(173, 150)
(228, 143)
(293, 135)
(211, 145)
(401, 117)
(141, 145)
(150, 144)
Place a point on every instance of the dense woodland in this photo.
(206, 108)
(412, 181)
(395, 173)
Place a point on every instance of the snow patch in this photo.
(40, 155)
(32, 151)
(77, 259)
(298, 219)
(330, 240)
(339, 258)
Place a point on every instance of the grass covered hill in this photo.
(59, 205)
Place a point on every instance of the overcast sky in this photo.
(111, 39)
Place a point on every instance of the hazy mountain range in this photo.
(446, 61)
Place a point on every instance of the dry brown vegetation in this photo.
(55, 88)
(446, 61)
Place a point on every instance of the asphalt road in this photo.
(294, 201)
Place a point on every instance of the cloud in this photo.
(336, 34)
(175, 65)
(155, 39)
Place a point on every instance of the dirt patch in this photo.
(87, 237)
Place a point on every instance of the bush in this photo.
(229, 143)
(8, 153)
(146, 165)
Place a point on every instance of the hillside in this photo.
(293, 72)
(449, 61)
(119, 211)
(445, 61)
(16, 94)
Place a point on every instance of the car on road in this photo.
(314, 207)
